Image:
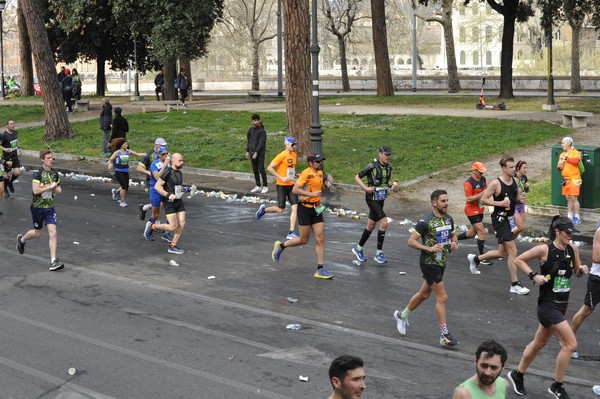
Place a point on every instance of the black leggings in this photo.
(258, 167)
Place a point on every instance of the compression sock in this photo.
(480, 245)
(405, 313)
(363, 239)
(444, 329)
(380, 238)
(462, 236)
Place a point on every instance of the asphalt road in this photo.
(135, 327)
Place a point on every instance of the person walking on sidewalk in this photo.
(45, 184)
(106, 126)
(490, 360)
(523, 183)
(119, 160)
(437, 234)
(568, 165)
(309, 188)
(378, 174)
(11, 151)
(283, 167)
(474, 188)
(170, 187)
(256, 149)
(592, 294)
(503, 193)
(559, 261)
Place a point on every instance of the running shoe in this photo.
(291, 235)
(519, 289)
(447, 340)
(6, 194)
(166, 236)
(472, 264)
(123, 204)
(380, 258)
(486, 262)
(400, 323)
(142, 213)
(264, 190)
(115, 195)
(174, 249)
(517, 382)
(148, 232)
(261, 211)
(359, 254)
(322, 273)
(276, 251)
(56, 265)
(20, 245)
(558, 391)
(576, 220)
(255, 189)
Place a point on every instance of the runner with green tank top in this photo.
(490, 360)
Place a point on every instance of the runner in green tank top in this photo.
(490, 360)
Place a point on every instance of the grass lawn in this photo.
(21, 113)
(217, 139)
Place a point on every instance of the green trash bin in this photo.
(589, 196)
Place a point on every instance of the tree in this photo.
(251, 19)
(575, 12)
(25, 56)
(297, 71)
(445, 19)
(57, 125)
(512, 11)
(341, 15)
(385, 87)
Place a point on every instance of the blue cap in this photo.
(290, 140)
(161, 149)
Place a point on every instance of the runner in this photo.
(143, 167)
(490, 360)
(45, 184)
(309, 188)
(474, 209)
(120, 160)
(376, 190)
(170, 187)
(11, 150)
(503, 193)
(438, 236)
(157, 168)
(523, 183)
(283, 167)
(559, 261)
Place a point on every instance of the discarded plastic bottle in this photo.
(293, 326)
(596, 389)
(356, 262)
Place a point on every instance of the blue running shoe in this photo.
(322, 273)
(380, 258)
(576, 220)
(175, 250)
(292, 235)
(115, 194)
(167, 236)
(447, 340)
(148, 232)
(359, 254)
(276, 251)
(261, 211)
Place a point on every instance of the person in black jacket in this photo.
(183, 85)
(105, 125)
(120, 127)
(159, 82)
(255, 152)
(67, 88)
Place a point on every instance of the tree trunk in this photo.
(297, 71)
(575, 65)
(343, 63)
(255, 66)
(506, 70)
(25, 56)
(170, 75)
(100, 77)
(57, 124)
(453, 81)
(185, 63)
(385, 88)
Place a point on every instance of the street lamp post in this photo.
(2, 87)
(136, 82)
(279, 51)
(316, 141)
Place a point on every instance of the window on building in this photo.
(488, 9)
(463, 58)
(488, 58)
(489, 33)
(461, 9)
(475, 8)
(400, 61)
(475, 57)
(475, 34)
(462, 34)
(409, 61)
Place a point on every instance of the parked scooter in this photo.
(482, 105)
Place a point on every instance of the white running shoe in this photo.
(264, 190)
(472, 264)
(255, 189)
(400, 323)
(518, 289)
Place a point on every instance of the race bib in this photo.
(380, 193)
(124, 160)
(442, 234)
(14, 144)
(561, 284)
(513, 223)
(577, 182)
(178, 191)
(291, 173)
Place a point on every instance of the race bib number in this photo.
(513, 223)
(380, 193)
(291, 173)
(577, 182)
(14, 144)
(561, 284)
(124, 159)
(442, 234)
(47, 194)
(178, 191)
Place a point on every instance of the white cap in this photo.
(160, 141)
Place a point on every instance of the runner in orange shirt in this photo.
(283, 167)
(568, 165)
(309, 187)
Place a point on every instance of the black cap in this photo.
(255, 117)
(315, 158)
(385, 150)
(568, 227)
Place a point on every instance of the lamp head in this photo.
(2, 5)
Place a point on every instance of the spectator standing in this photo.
(61, 74)
(106, 125)
(67, 89)
(120, 127)
(568, 165)
(76, 85)
(182, 86)
(159, 82)
(256, 149)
